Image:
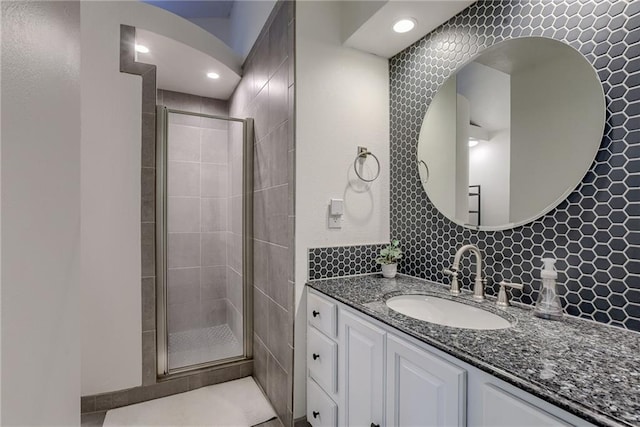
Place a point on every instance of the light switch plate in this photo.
(336, 207)
(335, 221)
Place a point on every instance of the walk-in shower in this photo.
(204, 187)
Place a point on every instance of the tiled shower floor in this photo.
(202, 345)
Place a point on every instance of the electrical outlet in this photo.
(335, 221)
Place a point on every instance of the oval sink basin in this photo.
(446, 312)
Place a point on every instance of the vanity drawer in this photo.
(321, 411)
(322, 314)
(322, 360)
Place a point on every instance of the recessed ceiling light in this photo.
(213, 75)
(473, 142)
(142, 49)
(404, 25)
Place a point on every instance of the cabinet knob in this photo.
(315, 414)
(316, 313)
(315, 356)
(375, 425)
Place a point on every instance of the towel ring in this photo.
(422, 162)
(363, 153)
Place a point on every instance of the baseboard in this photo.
(115, 399)
(301, 422)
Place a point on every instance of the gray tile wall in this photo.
(266, 93)
(197, 217)
(129, 65)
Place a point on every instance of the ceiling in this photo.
(195, 9)
(182, 68)
(375, 34)
(522, 54)
(366, 25)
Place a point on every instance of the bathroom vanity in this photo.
(508, 136)
(369, 365)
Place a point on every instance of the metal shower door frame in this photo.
(162, 360)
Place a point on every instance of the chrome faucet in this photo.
(503, 298)
(478, 288)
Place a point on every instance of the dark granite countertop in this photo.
(588, 369)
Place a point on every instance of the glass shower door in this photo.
(202, 307)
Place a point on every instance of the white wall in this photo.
(489, 167)
(40, 213)
(487, 90)
(110, 275)
(342, 101)
(489, 93)
(461, 169)
(556, 131)
(246, 21)
(437, 148)
(357, 13)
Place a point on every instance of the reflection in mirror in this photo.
(511, 134)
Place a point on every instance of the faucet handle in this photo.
(503, 298)
(455, 286)
(450, 272)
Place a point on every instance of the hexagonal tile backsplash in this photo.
(340, 261)
(595, 233)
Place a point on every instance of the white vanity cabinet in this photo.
(368, 374)
(322, 361)
(381, 379)
(361, 371)
(502, 409)
(423, 389)
(321, 410)
(495, 403)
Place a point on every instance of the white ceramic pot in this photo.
(389, 270)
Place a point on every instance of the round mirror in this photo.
(511, 134)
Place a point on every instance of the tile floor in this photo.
(97, 418)
(202, 345)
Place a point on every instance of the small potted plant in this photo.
(389, 257)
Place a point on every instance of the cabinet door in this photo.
(500, 408)
(422, 389)
(362, 371)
